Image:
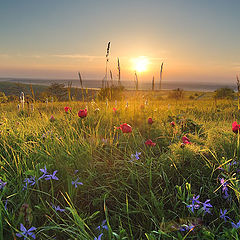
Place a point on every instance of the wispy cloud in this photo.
(77, 56)
(4, 55)
(236, 66)
(19, 56)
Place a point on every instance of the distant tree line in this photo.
(226, 93)
(10, 92)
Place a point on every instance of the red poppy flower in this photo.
(235, 127)
(173, 124)
(149, 142)
(126, 128)
(186, 140)
(66, 109)
(82, 113)
(52, 118)
(150, 121)
(114, 110)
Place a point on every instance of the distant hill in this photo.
(11, 88)
(41, 92)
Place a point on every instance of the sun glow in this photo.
(140, 64)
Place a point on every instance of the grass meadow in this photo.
(67, 177)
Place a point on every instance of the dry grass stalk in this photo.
(153, 84)
(69, 90)
(81, 83)
(107, 60)
(136, 81)
(119, 73)
(161, 72)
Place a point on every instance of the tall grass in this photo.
(143, 198)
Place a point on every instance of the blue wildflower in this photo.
(2, 184)
(103, 225)
(5, 205)
(195, 199)
(186, 227)
(44, 171)
(76, 183)
(51, 176)
(207, 206)
(235, 225)
(195, 203)
(135, 156)
(57, 208)
(232, 163)
(224, 188)
(224, 184)
(99, 237)
(29, 181)
(26, 233)
(223, 215)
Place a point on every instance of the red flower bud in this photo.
(126, 128)
(66, 109)
(52, 118)
(235, 127)
(186, 140)
(149, 142)
(82, 113)
(150, 121)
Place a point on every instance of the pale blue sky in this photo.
(55, 38)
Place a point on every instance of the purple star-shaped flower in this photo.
(26, 233)
(195, 199)
(207, 206)
(135, 156)
(237, 225)
(2, 184)
(57, 208)
(29, 181)
(99, 237)
(224, 188)
(76, 183)
(195, 203)
(186, 227)
(223, 215)
(102, 226)
(44, 171)
(5, 205)
(51, 176)
(224, 184)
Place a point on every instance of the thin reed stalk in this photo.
(119, 73)
(153, 84)
(161, 72)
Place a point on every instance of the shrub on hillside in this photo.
(3, 97)
(57, 90)
(222, 93)
(176, 94)
(111, 93)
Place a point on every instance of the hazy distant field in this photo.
(188, 86)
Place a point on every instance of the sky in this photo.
(198, 40)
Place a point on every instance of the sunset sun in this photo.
(140, 64)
